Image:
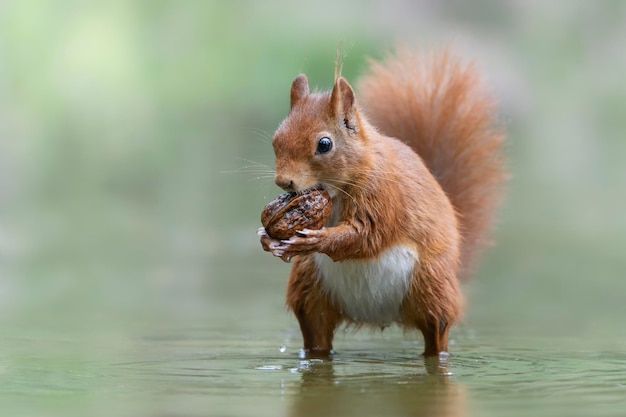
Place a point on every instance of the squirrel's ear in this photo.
(299, 89)
(343, 102)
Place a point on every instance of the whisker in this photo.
(345, 192)
(256, 163)
(263, 135)
(248, 170)
(252, 167)
(261, 177)
(350, 183)
(345, 182)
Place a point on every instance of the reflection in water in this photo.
(324, 392)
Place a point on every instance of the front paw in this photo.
(269, 244)
(304, 242)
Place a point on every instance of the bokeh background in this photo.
(133, 136)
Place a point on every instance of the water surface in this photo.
(233, 350)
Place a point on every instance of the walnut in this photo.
(291, 212)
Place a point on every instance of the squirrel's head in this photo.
(321, 141)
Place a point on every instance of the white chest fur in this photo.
(369, 291)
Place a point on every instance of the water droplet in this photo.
(269, 368)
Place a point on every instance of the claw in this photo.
(309, 232)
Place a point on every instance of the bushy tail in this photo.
(440, 107)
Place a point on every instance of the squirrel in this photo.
(415, 170)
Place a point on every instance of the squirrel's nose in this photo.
(284, 183)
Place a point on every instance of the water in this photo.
(232, 350)
(212, 372)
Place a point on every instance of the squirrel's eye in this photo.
(324, 145)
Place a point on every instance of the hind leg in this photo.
(432, 306)
(435, 337)
(316, 313)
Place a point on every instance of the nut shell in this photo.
(291, 212)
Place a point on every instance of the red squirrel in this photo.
(415, 172)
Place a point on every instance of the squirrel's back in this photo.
(440, 108)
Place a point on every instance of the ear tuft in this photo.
(343, 102)
(299, 89)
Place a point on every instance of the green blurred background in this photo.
(128, 199)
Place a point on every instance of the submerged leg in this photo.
(317, 315)
(435, 337)
(433, 303)
(317, 333)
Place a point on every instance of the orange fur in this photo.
(435, 207)
(440, 108)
